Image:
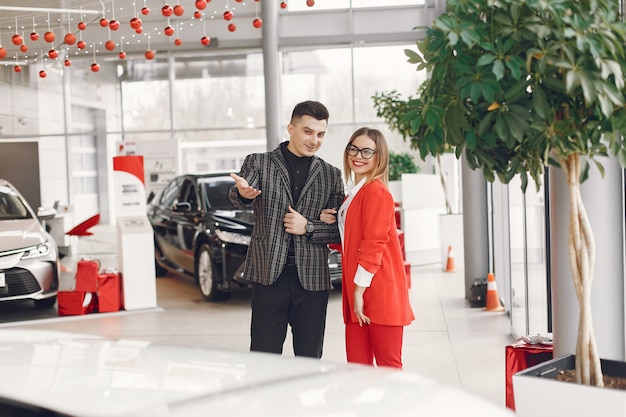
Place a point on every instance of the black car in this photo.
(199, 233)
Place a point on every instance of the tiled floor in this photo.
(449, 341)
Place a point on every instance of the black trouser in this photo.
(286, 302)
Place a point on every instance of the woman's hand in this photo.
(358, 305)
(328, 216)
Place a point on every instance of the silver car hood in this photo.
(89, 376)
(19, 234)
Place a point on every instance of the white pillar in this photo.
(604, 201)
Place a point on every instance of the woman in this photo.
(374, 283)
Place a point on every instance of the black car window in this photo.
(11, 206)
(169, 194)
(188, 194)
(216, 195)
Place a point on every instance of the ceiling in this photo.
(63, 16)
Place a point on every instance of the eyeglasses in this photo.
(366, 153)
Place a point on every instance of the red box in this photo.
(519, 356)
(109, 292)
(87, 276)
(76, 303)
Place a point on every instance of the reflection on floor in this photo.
(449, 341)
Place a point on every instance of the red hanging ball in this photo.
(167, 10)
(200, 4)
(53, 54)
(310, 3)
(17, 39)
(205, 40)
(104, 22)
(81, 45)
(169, 31)
(197, 14)
(122, 55)
(145, 11)
(70, 39)
(232, 27)
(149, 54)
(3, 53)
(82, 25)
(135, 22)
(178, 41)
(24, 47)
(95, 67)
(49, 37)
(283, 4)
(17, 68)
(42, 74)
(139, 30)
(257, 23)
(109, 45)
(179, 10)
(34, 36)
(67, 63)
(114, 24)
(228, 15)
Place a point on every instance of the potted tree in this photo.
(516, 86)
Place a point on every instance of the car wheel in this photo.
(205, 278)
(46, 303)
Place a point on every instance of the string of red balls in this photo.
(136, 24)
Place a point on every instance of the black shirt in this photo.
(298, 168)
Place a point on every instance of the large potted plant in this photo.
(517, 85)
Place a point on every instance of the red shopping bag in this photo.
(76, 303)
(109, 292)
(87, 276)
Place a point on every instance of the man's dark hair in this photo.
(314, 109)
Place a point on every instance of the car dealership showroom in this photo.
(122, 284)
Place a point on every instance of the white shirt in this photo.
(362, 278)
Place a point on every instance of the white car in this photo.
(60, 374)
(29, 258)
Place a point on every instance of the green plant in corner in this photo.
(517, 85)
(401, 163)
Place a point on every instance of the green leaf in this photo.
(540, 101)
(498, 70)
(485, 60)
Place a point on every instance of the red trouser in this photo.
(374, 342)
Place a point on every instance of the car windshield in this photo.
(216, 194)
(11, 206)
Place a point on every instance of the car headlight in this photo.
(230, 237)
(37, 251)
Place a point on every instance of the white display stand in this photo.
(135, 244)
(135, 239)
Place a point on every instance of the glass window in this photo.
(297, 5)
(146, 105)
(220, 101)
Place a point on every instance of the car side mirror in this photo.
(46, 213)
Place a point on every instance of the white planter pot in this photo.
(538, 393)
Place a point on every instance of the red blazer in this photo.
(371, 240)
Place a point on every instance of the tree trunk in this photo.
(582, 259)
(444, 185)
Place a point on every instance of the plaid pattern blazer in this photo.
(267, 253)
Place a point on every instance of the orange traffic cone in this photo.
(450, 263)
(493, 300)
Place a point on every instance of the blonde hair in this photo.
(381, 169)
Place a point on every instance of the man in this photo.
(287, 261)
